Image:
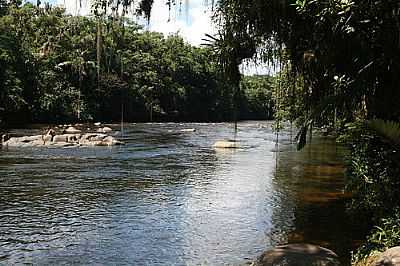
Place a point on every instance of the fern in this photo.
(389, 130)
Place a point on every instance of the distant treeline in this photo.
(60, 68)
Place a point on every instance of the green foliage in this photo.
(374, 181)
(258, 101)
(56, 68)
(384, 236)
(340, 58)
(373, 173)
(387, 129)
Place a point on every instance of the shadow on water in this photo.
(314, 179)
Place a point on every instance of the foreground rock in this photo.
(63, 140)
(390, 257)
(298, 255)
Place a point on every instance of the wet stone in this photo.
(298, 255)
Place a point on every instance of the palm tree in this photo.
(80, 66)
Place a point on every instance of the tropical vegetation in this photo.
(60, 68)
(338, 62)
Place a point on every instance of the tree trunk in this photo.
(99, 49)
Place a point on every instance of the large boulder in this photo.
(67, 138)
(24, 141)
(104, 130)
(298, 255)
(390, 257)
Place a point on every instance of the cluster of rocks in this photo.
(70, 136)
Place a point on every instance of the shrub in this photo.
(384, 236)
(373, 175)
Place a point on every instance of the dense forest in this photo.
(56, 67)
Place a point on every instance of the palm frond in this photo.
(389, 130)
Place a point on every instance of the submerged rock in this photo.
(298, 255)
(223, 144)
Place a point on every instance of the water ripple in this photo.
(166, 197)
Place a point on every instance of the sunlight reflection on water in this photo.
(167, 197)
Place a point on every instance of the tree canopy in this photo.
(56, 67)
(339, 55)
(340, 58)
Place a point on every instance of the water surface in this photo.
(168, 198)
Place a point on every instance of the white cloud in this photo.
(75, 7)
(250, 67)
(191, 25)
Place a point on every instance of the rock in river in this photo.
(68, 138)
(72, 130)
(298, 255)
(104, 129)
(63, 140)
(223, 144)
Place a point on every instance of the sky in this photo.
(191, 25)
(190, 21)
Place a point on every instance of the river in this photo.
(168, 198)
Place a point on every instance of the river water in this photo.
(168, 198)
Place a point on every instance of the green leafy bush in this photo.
(384, 236)
(373, 175)
(388, 129)
(373, 178)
